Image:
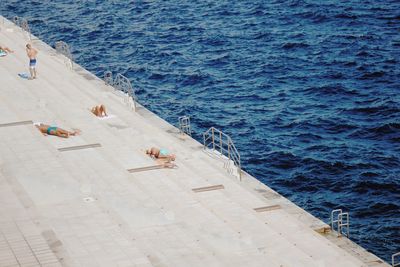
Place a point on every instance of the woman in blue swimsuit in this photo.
(162, 154)
(52, 130)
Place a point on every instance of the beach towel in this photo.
(106, 117)
(24, 75)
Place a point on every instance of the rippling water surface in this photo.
(308, 90)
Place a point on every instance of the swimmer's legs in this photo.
(103, 110)
(8, 50)
(62, 133)
(32, 71)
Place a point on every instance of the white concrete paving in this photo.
(83, 208)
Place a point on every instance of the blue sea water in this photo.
(308, 90)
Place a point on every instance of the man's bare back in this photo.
(31, 52)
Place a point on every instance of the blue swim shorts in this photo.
(32, 63)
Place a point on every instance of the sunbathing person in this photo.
(6, 49)
(162, 155)
(52, 130)
(99, 111)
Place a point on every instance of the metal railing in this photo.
(218, 141)
(184, 125)
(64, 49)
(108, 78)
(394, 264)
(342, 222)
(122, 84)
(24, 25)
(16, 20)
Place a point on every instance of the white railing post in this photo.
(335, 221)
(220, 142)
(394, 264)
(344, 222)
(213, 139)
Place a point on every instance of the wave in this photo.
(314, 16)
(294, 45)
(262, 35)
(369, 174)
(193, 79)
(219, 60)
(214, 41)
(387, 128)
(365, 186)
(390, 18)
(378, 210)
(301, 183)
(391, 61)
(312, 166)
(345, 16)
(157, 76)
(382, 110)
(350, 64)
(363, 54)
(389, 132)
(337, 128)
(330, 90)
(372, 75)
(283, 160)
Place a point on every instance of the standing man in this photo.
(32, 52)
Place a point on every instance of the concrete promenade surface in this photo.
(82, 207)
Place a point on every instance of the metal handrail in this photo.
(184, 125)
(121, 83)
(394, 264)
(108, 78)
(342, 221)
(217, 140)
(333, 221)
(16, 20)
(23, 24)
(64, 49)
(345, 223)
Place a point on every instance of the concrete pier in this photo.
(73, 202)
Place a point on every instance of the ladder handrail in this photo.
(64, 49)
(223, 143)
(333, 212)
(23, 24)
(123, 84)
(184, 125)
(394, 264)
(108, 78)
(342, 221)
